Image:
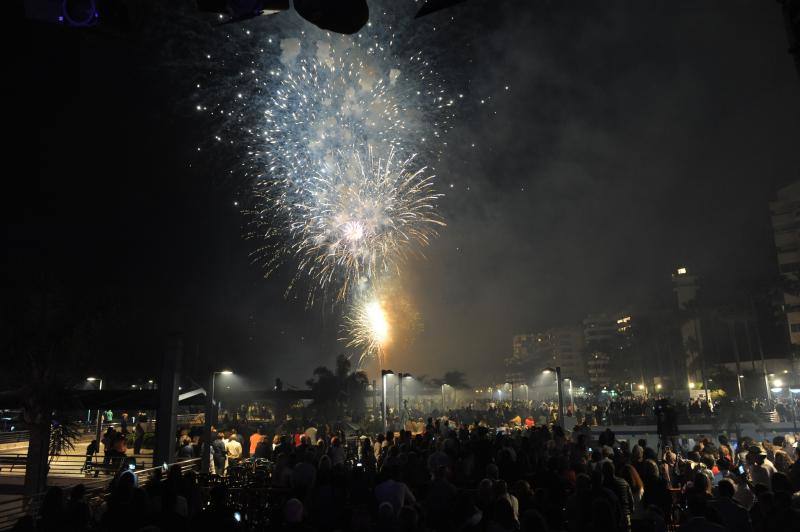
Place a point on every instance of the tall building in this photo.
(785, 212)
(597, 369)
(602, 340)
(531, 353)
(685, 285)
(600, 329)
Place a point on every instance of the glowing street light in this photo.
(209, 417)
(385, 410)
(400, 378)
(557, 371)
(99, 419)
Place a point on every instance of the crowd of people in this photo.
(450, 476)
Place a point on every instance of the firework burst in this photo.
(380, 320)
(358, 220)
(330, 123)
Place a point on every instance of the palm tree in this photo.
(456, 379)
(49, 335)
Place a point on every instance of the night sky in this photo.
(633, 137)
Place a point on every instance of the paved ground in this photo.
(67, 468)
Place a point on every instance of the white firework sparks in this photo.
(368, 330)
(359, 220)
(330, 155)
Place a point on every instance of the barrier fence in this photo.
(73, 465)
(17, 436)
(96, 488)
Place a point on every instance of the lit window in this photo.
(681, 271)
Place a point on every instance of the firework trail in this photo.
(380, 323)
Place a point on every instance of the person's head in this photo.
(602, 514)
(670, 457)
(782, 460)
(485, 489)
(533, 521)
(637, 453)
(77, 493)
(324, 463)
(386, 514)
(53, 502)
(408, 519)
(293, 511)
(500, 488)
(492, 472)
(503, 513)
(726, 488)
(696, 503)
(608, 470)
(756, 454)
(631, 476)
(701, 482)
(650, 471)
(781, 483)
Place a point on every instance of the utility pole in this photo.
(732, 333)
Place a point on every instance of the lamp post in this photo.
(385, 410)
(205, 458)
(99, 419)
(400, 378)
(571, 397)
(560, 390)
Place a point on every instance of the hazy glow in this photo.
(378, 326)
(367, 328)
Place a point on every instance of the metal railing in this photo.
(17, 436)
(70, 465)
(14, 509)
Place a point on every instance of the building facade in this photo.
(785, 211)
(533, 352)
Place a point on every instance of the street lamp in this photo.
(99, 419)
(209, 419)
(560, 390)
(571, 396)
(400, 378)
(385, 411)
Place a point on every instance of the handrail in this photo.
(17, 436)
(12, 510)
